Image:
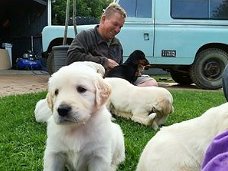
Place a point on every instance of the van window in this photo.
(199, 9)
(137, 8)
(129, 6)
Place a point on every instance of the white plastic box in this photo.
(8, 47)
(4, 59)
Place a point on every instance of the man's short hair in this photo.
(113, 8)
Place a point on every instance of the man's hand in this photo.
(112, 64)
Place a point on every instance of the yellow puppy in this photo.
(146, 105)
(80, 134)
(181, 146)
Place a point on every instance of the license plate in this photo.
(168, 53)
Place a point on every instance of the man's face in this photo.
(112, 25)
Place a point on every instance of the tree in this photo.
(222, 10)
(88, 8)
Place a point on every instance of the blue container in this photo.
(28, 64)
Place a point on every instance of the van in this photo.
(188, 38)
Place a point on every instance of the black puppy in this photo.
(131, 68)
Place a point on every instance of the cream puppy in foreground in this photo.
(146, 105)
(80, 134)
(181, 146)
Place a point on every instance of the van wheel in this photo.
(50, 63)
(181, 78)
(206, 72)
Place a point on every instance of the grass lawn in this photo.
(22, 140)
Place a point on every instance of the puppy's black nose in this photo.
(64, 109)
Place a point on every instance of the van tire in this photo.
(181, 78)
(50, 63)
(207, 69)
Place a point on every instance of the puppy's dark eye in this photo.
(81, 89)
(56, 92)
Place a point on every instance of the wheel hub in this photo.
(212, 69)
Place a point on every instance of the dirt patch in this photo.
(21, 84)
(13, 82)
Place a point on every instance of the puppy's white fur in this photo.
(98, 68)
(146, 105)
(181, 146)
(80, 134)
(42, 111)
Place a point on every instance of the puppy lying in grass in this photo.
(146, 105)
(131, 68)
(182, 146)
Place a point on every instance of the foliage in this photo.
(222, 10)
(22, 140)
(91, 8)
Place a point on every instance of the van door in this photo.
(138, 30)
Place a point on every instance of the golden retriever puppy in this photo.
(146, 105)
(181, 146)
(80, 134)
(42, 111)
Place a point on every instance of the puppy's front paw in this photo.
(113, 119)
(155, 126)
(152, 115)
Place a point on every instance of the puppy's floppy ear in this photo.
(103, 91)
(49, 98)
